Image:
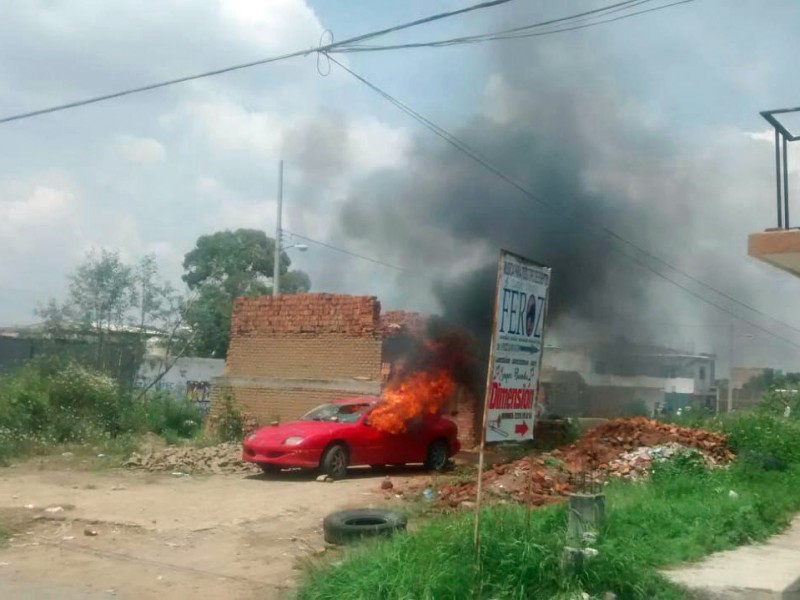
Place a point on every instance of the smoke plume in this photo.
(559, 120)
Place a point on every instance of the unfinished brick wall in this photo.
(292, 352)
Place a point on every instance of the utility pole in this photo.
(276, 273)
(730, 372)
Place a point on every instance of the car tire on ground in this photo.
(351, 525)
(334, 461)
(437, 456)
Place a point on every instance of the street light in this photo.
(730, 367)
(279, 247)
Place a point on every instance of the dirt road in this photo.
(162, 536)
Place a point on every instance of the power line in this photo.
(320, 49)
(347, 252)
(473, 154)
(523, 31)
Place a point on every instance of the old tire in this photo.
(437, 456)
(351, 525)
(334, 461)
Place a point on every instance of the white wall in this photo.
(189, 377)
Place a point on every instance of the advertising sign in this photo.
(515, 358)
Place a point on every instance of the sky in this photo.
(666, 120)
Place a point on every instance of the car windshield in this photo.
(341, 413)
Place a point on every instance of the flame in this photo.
(421, 393)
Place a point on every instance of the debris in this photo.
(624, 448)
(324, 478)
(101, 456)
(118, 488)
(90, 532)
(733, 495)
(183, 460)
(67, 454)
(67, 538)
(387, 484)
(54, 509)
(5, 564)
(29, 506)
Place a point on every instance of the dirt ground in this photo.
(165, 536)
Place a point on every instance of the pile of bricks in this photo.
(602, 444)
(306, 313)
(622, 448)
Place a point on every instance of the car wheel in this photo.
(334, 462)
(350, 525)
(437, 456)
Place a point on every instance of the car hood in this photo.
(275, 434)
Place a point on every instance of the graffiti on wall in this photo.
(199, 392)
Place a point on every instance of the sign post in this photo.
(515, 358)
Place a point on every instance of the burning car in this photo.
(335, 436)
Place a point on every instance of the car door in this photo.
(368, 445)
(411, 446)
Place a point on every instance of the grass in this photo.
(684, 513)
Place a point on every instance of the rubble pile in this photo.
(529, 480)
(635, 464)
(599, 446)
(624, 448)
(222, 458)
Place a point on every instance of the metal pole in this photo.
(730, 370)
(276, 273)
(785, 184)
(778, 175)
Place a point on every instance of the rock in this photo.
(386, 484)
(118, 488)
(90, 532)
(67, 454)
(324, 478)
(54, 509)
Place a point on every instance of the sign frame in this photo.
(533, 381)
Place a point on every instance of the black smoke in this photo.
(564, 123)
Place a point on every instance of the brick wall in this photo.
(293, 352)
(265, 404)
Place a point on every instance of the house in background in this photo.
(624, 378)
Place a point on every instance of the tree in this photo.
(109, 299)
(223, 266)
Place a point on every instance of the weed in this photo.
(229, 423)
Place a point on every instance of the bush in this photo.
(763, 434)
(50, 402)
(229, 425)
(172, 417)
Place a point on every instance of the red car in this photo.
(335, 436)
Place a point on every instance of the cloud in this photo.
(143, 151)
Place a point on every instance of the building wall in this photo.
(291, 353)
(189, 378)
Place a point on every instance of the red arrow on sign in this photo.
(521, 429)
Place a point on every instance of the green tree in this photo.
(109, 300)
(223, 266)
